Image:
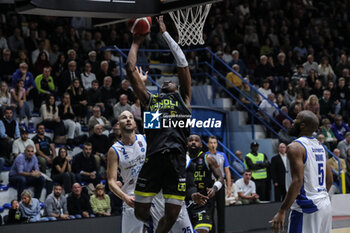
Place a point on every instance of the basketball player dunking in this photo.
(311, 179)
(165, 164)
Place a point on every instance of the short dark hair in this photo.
(212, 137)
(247, 170)
(8, 108)
(38, 125)
(87, 144)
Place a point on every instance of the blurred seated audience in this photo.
(78, 203)
(62, 171)
(246, 189)
(97, 118)
(100, 202)
(344, 145)
(56, 204)
(30, 208)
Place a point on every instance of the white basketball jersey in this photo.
(131, 159)
(313, 194)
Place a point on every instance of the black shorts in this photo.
(200, 216)
(164, 171)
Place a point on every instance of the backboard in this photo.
(113, 9)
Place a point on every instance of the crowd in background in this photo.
(294, 52)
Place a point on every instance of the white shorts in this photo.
(317, 222)
(130, 224)
(183, 222)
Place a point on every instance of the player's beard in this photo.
(194, 151)
(294, 131)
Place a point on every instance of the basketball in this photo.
(140, 26)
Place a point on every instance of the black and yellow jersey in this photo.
(174, 113)
(202, 174)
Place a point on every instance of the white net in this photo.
(189, 23)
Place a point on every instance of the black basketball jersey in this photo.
(174, 130)
(202, 174)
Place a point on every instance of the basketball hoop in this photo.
(190, 23)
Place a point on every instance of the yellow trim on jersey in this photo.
(144, 194)
(203, 225)
(167, 196)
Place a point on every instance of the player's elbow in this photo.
(130, 67)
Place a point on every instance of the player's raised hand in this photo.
(278, 222)
(162, 26)
(199, 198)
(142, 76)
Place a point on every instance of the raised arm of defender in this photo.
(133, 74)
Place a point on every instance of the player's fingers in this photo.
(146, 73)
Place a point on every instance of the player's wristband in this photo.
(218, 185)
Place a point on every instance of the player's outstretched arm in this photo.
(112, 173)
(214, 166)
(181, 62)
(296, 155)
(133, 74)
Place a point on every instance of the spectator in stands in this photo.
(100, 202)
(51, 120)
(311, 79)
(41, 63)
(238, 165)
(98, 119)
(59, 67)
(67, 77)
(341, 65)
(339, 128)
(3, 42)
(126, 90)
(302, 89)
(5, 99)
(87, 76)
(246, 189)
(92, 60)
(56, 204)
(299, 74)
(15, 41)
(25, 172)
(342, 94)
(7, 66)
(121, 106)
(41, 49)
(21, 143)
(325, 71)
(45, 149)
(15, 215)
(239, 62)
(220, 195)
(136, 111)
(262, 71)
(312, 105)
(30, 208)
(103, 72)
(93, 96)
(246, 90)
(317, 89)
(333, 164)
(234, 80)
(310, 64)
(9, 131)
(78, 100)
(344, 145)
(265, 89)
(282, 73)
(23, 74)
(327, 105)
(19, 98)
(279, 171)
(84, 166)
(62, 171)
(283, 136)
(348, 169)
(280, 100)
(45, 86)
(326, 129)
(66, 114)
(78, 203)
(258, 164)
(268, 109)
(289, 95)
(115, 135)
(100, 146)
(108, 96)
